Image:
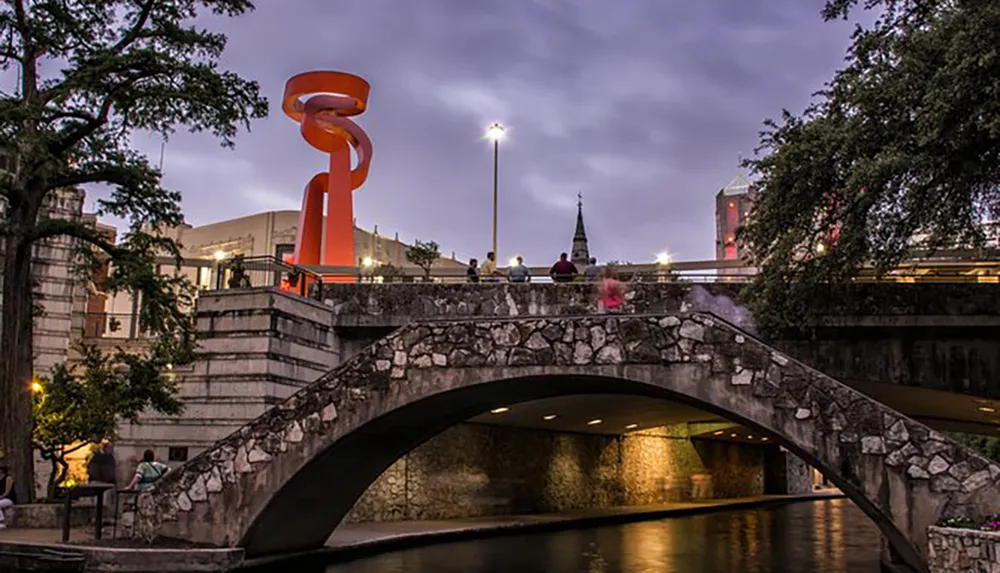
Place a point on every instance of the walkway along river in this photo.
(831, 536)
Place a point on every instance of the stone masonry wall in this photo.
(935, 336)
(963, 551)
(255, 349)
(474, 470)
(906, 475)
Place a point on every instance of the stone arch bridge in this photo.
(282, 483)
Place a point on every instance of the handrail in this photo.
(941, 266)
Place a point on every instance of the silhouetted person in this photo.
(102, 468)
(519, 273)
(563, 271)
(238, 277)
(472, 271)
(8, 496)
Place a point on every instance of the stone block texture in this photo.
(473, 470)
(935, 336)
(963, 551)
(255, 349)
(261, 487)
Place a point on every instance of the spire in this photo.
(580, 252)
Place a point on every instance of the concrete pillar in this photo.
(785, 473)
(256, 348)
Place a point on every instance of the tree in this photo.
(91, 74)
(82, 405)
(900, 150)
(423, 255)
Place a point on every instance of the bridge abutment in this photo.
(255, 349)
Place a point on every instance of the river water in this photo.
(831, 536)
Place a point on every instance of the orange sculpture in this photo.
(321, 102)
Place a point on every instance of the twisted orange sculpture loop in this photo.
(321, 102)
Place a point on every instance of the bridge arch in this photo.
(283, 483)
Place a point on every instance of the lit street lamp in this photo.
(495, 133)
(663, 260)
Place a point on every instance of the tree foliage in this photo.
(904, 142)
(986, 446)
(423, 254)
(84, 404)
(92, 73)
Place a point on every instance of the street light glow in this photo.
(367, 262)
(220, 255)
(495, 132)
(36, 387)
(663, 258)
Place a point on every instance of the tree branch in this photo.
(85, 129)
(108, 175)
(133, 34)
(67, 227)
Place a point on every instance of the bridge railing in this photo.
(256, 272)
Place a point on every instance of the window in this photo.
(177, 454)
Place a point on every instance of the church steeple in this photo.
(580, 253)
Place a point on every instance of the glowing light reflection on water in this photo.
(821, 537)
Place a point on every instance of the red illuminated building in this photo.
(732, 204)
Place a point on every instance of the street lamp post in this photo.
(495, 132)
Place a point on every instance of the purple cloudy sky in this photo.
(641, 105)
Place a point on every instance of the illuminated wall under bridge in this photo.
(473, 470)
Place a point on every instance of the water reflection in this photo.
(821, 537)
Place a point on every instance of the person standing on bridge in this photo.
(472, 271)
(519, 273)
(564, 271)
(610, 292)
(592, 273)
(489, 270)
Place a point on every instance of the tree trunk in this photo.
(16, 366)
(50, 488)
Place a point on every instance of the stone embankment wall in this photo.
(963, 551)
(473, 470)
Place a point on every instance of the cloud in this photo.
(643, 108)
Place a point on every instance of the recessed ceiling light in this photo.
(550, 417)
(499, 410)
(732, 435)
(987, 409)
(719, 433)
(631, 426)
(594, 422)
(749, 437)
(765, 439)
